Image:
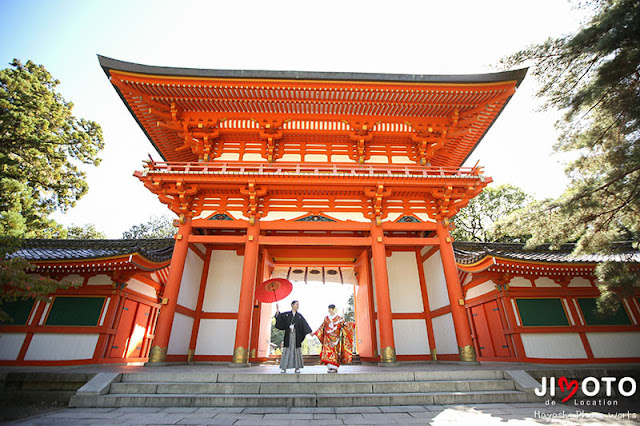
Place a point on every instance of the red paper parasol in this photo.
(273, 290)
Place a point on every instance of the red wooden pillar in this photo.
(167, 311)
(247, 288)
(387, 343)
(454, 289)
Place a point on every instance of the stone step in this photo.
(310, 387)
(397, 376)
(296, 400)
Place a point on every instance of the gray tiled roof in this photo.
(155, 250)
(471, 252)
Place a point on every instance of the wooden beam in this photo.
(217, 239)
(314, 226)
(314, 241)
(220, 224)
(400, 226)
(410, 241)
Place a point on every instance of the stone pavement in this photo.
(482, 414)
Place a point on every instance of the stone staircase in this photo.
(186, 389)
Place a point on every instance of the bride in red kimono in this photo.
(336, 337)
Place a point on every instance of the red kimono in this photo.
(336, 337)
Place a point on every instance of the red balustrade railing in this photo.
(289, 168)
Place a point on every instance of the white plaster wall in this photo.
(392, 217)
(436, 283)
(222, 293)
(444, 334)
(142, 288)
(190, 284)
(378, 159)
(553, 345)
(520, 282)
(252, 157)
(281, 216)
(216, 337)
(481, 289)
(579, 282)
(404, 283)
(228, 156)
(10, 345)
(338, 158)
(410, 337)
(356, 217)
(316, 158)
(180, 335)
(424, 217)
(614, 344)
(291, 157)
(546, 282)
(101, 279)
(59, 346)
(402, 160)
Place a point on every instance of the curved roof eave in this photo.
(110, 63)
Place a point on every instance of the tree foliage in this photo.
(42, 146)
(17, 282)
(593, 76)
(156, 227)
(87, 231)
(476, 221)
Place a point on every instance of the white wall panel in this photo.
(59, 346)
(190, 284)
(410, 337)
(180, 335)
(553, 345)
(101, 279)
(222, 293)
(480, 289)
(142, 288)
(436, 284)
(216, 337)
(614, 344)
(444, 334)
(546, 282)
(520, 282)
(404, 283)
(579, 282)
(10, 345)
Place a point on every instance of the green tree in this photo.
(593, 77)
(476, 221)
(42, 146)
(277, 336)
(156, 227)
(349, 314)
(17, 282)
(87, 231)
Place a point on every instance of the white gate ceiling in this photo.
(323, 274)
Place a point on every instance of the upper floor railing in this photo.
(332, 169)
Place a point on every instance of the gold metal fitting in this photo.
(240, 355)
(388, 354)
(190, 354)
(157, 354)
(467, 353)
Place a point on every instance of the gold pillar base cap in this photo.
(468, 355)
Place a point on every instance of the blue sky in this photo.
(413, 37)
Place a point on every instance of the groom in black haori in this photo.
(295, 330)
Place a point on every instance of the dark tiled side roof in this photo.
(471, 252)
(155, 250)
